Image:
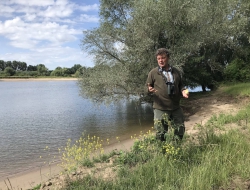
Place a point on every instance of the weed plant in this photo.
(209, 163)
(81, 153)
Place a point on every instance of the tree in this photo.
(2, 65)
(42, 70)
(57, 72)
(8, 64)
(131, 31)
(22, 66)
(9, 71)
(237, 70)
(75, 68)
(66, 72)
(15, 65)
(32, 68)
(206, 68)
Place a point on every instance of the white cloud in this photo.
(18, 31)
(45, 8)
(85, 8)
(32, 2)
(6, 9)
(29, 17)
(24, 44)
(22, 10)
(88, 18)
(57, 11)
(42, 28)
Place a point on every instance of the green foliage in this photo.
(20, 69)
(104, 83)
(57, 72)
(63, 72)
(16, 65)
(75, 68)
(237, 70)
(2, 65)
(37, 187)
(32, 68)
(87, 162)
(8, 71)
(201, 36)
(207, 66)
(42, 70)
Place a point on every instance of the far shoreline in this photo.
(38, 79)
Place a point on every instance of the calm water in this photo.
(36, 114)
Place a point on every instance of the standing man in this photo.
(165, 84)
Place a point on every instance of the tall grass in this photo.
(207, 166)
(235, 89)
(212, 161)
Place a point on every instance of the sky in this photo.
(46, 32)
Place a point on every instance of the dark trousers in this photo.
(164, 118)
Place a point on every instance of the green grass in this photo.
(211, 161)
(207, 166)
(37, 187)
(242, 89)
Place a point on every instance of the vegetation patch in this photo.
(215, 159)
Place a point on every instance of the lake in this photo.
(36, 114)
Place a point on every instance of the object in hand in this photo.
(186, 91)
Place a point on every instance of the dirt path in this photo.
(198, 110)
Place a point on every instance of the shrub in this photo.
(237, 70)
(9, 71)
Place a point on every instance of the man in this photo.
(165, 84)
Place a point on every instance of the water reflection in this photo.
(37, 114)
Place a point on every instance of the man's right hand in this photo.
(151, 89)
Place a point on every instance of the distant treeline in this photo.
(18, 68)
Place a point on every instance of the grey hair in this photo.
(162, 51)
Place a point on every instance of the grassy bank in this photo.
(216, 158)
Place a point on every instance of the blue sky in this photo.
(46, 32)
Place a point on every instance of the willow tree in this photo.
(130, 31)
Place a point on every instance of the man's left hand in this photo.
(185, 93)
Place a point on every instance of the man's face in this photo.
(162, 60)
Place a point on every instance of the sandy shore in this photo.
(31, 178)
(36, 79)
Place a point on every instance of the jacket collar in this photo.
(160, 69)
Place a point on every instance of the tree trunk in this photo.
(203, 88)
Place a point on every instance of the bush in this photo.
(9, 71)
(237, 70)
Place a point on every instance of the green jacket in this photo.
(162, 100)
